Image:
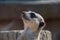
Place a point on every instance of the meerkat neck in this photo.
(32, 35)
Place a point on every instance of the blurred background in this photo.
(10, 18)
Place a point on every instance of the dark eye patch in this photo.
(32, 15)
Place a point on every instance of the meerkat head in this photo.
(33, 20)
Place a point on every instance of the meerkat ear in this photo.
(41, 25)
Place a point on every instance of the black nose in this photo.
(41, 24)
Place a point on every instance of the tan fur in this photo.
(31, 27)
(30, 24)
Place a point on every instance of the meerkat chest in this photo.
(29, 35)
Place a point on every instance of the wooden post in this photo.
(13, 34)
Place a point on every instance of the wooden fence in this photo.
(13, 34)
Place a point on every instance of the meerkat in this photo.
(33, 24)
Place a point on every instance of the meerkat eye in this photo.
(32, 15)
